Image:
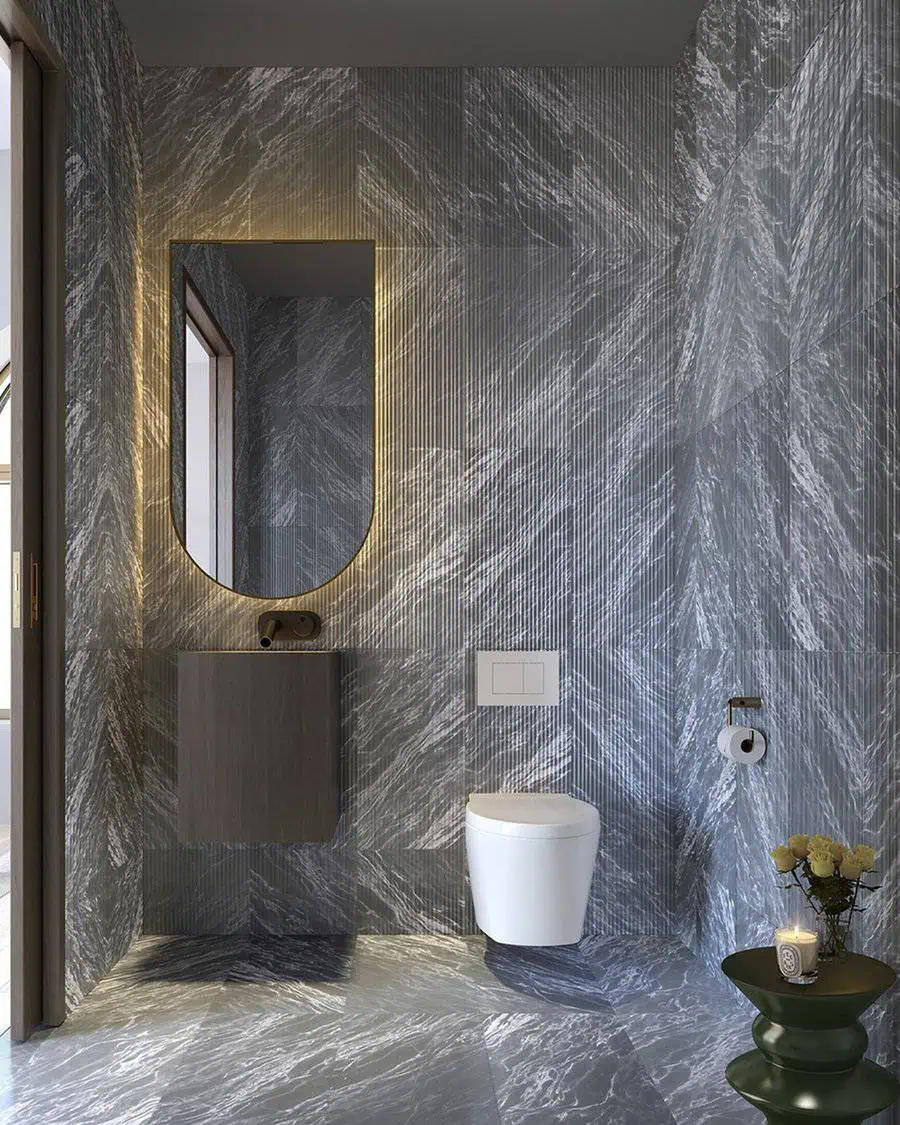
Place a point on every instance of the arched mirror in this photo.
(272, 409)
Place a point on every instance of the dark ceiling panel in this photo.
(304, 269)
(409, 32)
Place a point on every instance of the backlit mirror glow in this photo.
(272, 409)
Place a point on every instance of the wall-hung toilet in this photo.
(531, 859)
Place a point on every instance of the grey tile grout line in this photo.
(768, 109)
(800, 356)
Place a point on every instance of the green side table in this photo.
(809, 1066)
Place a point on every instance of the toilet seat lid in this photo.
(536, 816)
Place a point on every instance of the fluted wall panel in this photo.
(526, 242)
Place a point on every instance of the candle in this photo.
(796, 950)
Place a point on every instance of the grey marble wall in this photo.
(786, 462)
(526, 231)
(103, 816)
(303, 497)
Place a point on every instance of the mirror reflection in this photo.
(272, 409)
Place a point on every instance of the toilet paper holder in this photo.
(752, 745)
(742, 701)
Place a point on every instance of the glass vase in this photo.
(834, 936)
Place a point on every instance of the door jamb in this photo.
(18, 23)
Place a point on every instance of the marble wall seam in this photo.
(741, 56)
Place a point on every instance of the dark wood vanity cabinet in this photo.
(258, 746)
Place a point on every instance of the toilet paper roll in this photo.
(743, 745)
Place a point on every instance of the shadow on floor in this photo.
(556, 974)
(311, 960)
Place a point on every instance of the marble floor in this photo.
(388, 1030)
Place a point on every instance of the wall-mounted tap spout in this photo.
(267, 633)
(289, 625)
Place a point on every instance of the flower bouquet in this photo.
(830, 876)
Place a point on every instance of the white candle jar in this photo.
(797, 953)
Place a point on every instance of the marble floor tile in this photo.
(685, 1052)
(440, 974)
(578, 1068)
(375, 1069)
(553, 975)
(109, 1063)
(629, 970)
(387, 1030)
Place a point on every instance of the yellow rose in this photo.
(819, 843)
(838, 851)
(864, 856)
(784, 858)
(798, 845)
(850, 869)
(821, 864)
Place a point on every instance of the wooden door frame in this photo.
(38, 843)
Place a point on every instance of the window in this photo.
(209, 440)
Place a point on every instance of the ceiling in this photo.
(409, 32)
(304, 269)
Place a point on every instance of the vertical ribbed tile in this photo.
(407, 724)
(879, 329)
(518, 349)
(621, 414)
(622, 758)
(881, 811)
(767, 795)
(762, 512)
(517, 575)
(830, 715)
(828, 183)
(703, 538)
(467, 180)
(828, 554)
(623, 189)
(519, 155)
(809, 21)
(413, 188)
(197, 889)
(881, 123)
(621, 326)
(621, 408)
(704, 796)
(412, 892)
(302, 151)
(527, 750)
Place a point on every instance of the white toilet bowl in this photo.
(531, 859)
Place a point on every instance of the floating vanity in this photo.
(258, 746)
